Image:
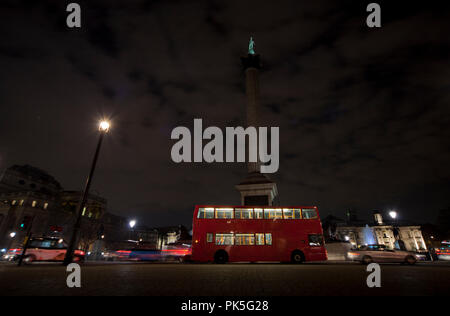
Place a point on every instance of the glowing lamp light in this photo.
(132, 223)
(347, 238)
(104, 126)
(393, 214)
(12, 235)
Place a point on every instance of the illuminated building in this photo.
(31, 198)
(392, 233)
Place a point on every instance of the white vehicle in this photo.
(49, 249)
(379, 253)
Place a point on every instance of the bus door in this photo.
(315, 246)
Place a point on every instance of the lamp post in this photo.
(132, 223)
(11, 235)
(103, 129)
(393, 214)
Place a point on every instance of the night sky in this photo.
(363, 113)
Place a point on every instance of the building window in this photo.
(244, 239)
(206, 212)
(14, 202)
(209, 237)
(243, 213)
(259, 213)
(273, 213)
(84, 211)
(224, 239)
(259, 239)
(21, 202)
(34, 204)
(268, 239)
(224, 213)
(309, 213)
(45, 205)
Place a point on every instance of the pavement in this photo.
(329, 278)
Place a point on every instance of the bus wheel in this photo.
(221, 256)
(297, 256)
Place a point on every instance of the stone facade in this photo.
(32, 200)
(394, 235)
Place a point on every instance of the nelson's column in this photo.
(256, 188)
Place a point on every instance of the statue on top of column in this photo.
(251, 46)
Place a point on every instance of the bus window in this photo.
(224, 213)
(258, 213)
(243, 213)
(297, 213)
(224, 239)
(268, 239)
(206, 212)
(244, 239)
(309, 213)
(209, 237)
(272, 213)
(288, 213)
(315, 240)
(259, 239)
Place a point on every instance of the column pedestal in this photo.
(258, 190)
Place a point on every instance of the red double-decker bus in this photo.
(252, 234)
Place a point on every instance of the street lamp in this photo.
(393, 214)
(132, 223)
(11, 235)
(104, 126)
(103, 129)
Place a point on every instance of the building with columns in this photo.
(31, 200)
(383, 231)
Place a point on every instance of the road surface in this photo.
(228, 279)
